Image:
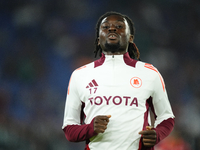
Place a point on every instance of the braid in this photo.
(97, 48)
(132, 49)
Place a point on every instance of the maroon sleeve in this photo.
(164, 129)
(77, 133)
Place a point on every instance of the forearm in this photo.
(164, 129)
(77, 133)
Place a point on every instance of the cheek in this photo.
(125, 38)
(102, 34)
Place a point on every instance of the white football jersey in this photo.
(119, 86)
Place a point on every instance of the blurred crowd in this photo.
(43, 41)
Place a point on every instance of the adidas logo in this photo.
(92, 84)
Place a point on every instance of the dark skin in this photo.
(114, 31)
(100, 123)
(148, 136)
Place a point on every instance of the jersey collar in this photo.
(128, 61)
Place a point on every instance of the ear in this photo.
(131, 38)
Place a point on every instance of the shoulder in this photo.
(153, 72)
(84, 69)
(146, 66)
(148, 69)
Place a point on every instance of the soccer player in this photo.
(113, 95)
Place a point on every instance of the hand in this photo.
(100, 123)
(148, 136)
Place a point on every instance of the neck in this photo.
(115, 53)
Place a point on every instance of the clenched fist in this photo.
(100, 123)
(148, 136)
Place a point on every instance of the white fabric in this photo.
(118, 96)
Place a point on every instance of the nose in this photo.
(112, 28)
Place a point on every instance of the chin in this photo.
(115, 47)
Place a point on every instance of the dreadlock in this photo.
(132, 48)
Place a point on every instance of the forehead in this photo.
(114, 18)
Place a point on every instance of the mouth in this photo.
(112, 36)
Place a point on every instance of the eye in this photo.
(105, 26)
(119, 26)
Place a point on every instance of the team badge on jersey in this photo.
(136, 82)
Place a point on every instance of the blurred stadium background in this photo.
(43, 41)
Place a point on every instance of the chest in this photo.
(115, 87)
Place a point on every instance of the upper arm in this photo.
(73, 104)
(160, 101)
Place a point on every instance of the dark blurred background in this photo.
(43, 41)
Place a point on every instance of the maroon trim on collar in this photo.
(129, 61)
(100, 61)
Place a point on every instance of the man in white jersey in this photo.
(114, 94)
